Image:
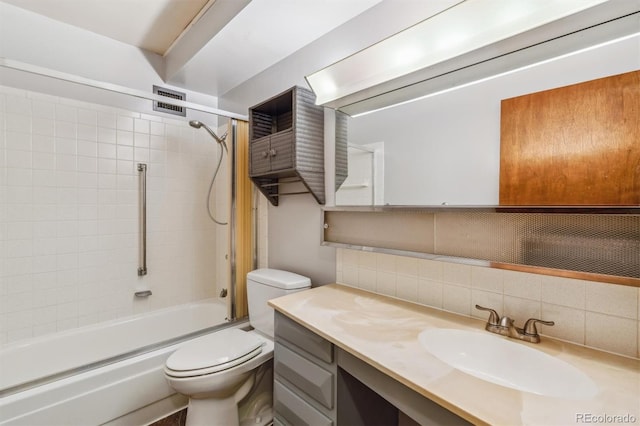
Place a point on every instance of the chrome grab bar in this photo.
(142, 168)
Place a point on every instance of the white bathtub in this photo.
(106, 373)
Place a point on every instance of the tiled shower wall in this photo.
(603, 316)
(69, 216)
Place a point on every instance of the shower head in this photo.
(197, 124)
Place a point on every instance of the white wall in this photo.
(69, 213)
(295, 225)
(40, 41)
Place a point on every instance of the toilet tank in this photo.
(266, 284)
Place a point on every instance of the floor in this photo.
(176, 419)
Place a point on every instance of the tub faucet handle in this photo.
(494, 318)
(530, 326)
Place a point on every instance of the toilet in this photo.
(228, 375)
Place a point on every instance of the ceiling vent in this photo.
(167, 107)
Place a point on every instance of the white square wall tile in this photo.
(456, 299)
(18, 141)
(563, 291)
(430, 269)
(367, 279)
(88, 132)
(367, 260)
(18, 123)
(486, 299)
(18, 159)
(141, 140)
(618, 300)
(522, 284)
(350, 257)
(64, 129)
(124, 138)
(456, 273)
(350, 275)
(157, 128)
(107, 119)
(521, 309)
(43, 109)
(141, 126)
(125, 123)
(17, 103)
(407, 266)
(43, 126)
(487, 279)
(386, 262)
(569, 323)
(430, 293)
(614, 334)
(386, 283)
(87, 117)
(407, 287)
(66, 113)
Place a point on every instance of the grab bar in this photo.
(142, 168)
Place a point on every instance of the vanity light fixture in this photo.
(470, 33)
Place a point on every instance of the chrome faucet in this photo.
(506, 327)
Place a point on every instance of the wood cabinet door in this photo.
(260, 159)
(281, 151)
(574, 145)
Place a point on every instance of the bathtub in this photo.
(109, 373)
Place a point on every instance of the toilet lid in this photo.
(214, 352)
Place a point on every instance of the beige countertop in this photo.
(383, 332)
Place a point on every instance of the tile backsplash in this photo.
(603, 316)
(69, 215)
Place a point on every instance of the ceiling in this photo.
(209, 46)
(149, 24)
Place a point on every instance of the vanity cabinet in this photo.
(286, 144)
(305, 374)
(319, 384)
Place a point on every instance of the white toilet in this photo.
(227, 375)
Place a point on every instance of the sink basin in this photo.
(507, 363)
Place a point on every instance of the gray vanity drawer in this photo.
(313, 380)
(294, 410)
(303, 338)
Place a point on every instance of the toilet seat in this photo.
(213, 353)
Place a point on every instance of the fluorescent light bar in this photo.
(494, 76)
(460, 30)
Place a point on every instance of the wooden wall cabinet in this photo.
(574, 145)
(286, 135)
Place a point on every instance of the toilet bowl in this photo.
(228, 375)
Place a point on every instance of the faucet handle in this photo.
(530, 325)
(494, 318)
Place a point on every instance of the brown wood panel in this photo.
(574, 145)
(244, 218)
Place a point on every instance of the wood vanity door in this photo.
(574, 145)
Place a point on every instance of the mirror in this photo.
(445, 148)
